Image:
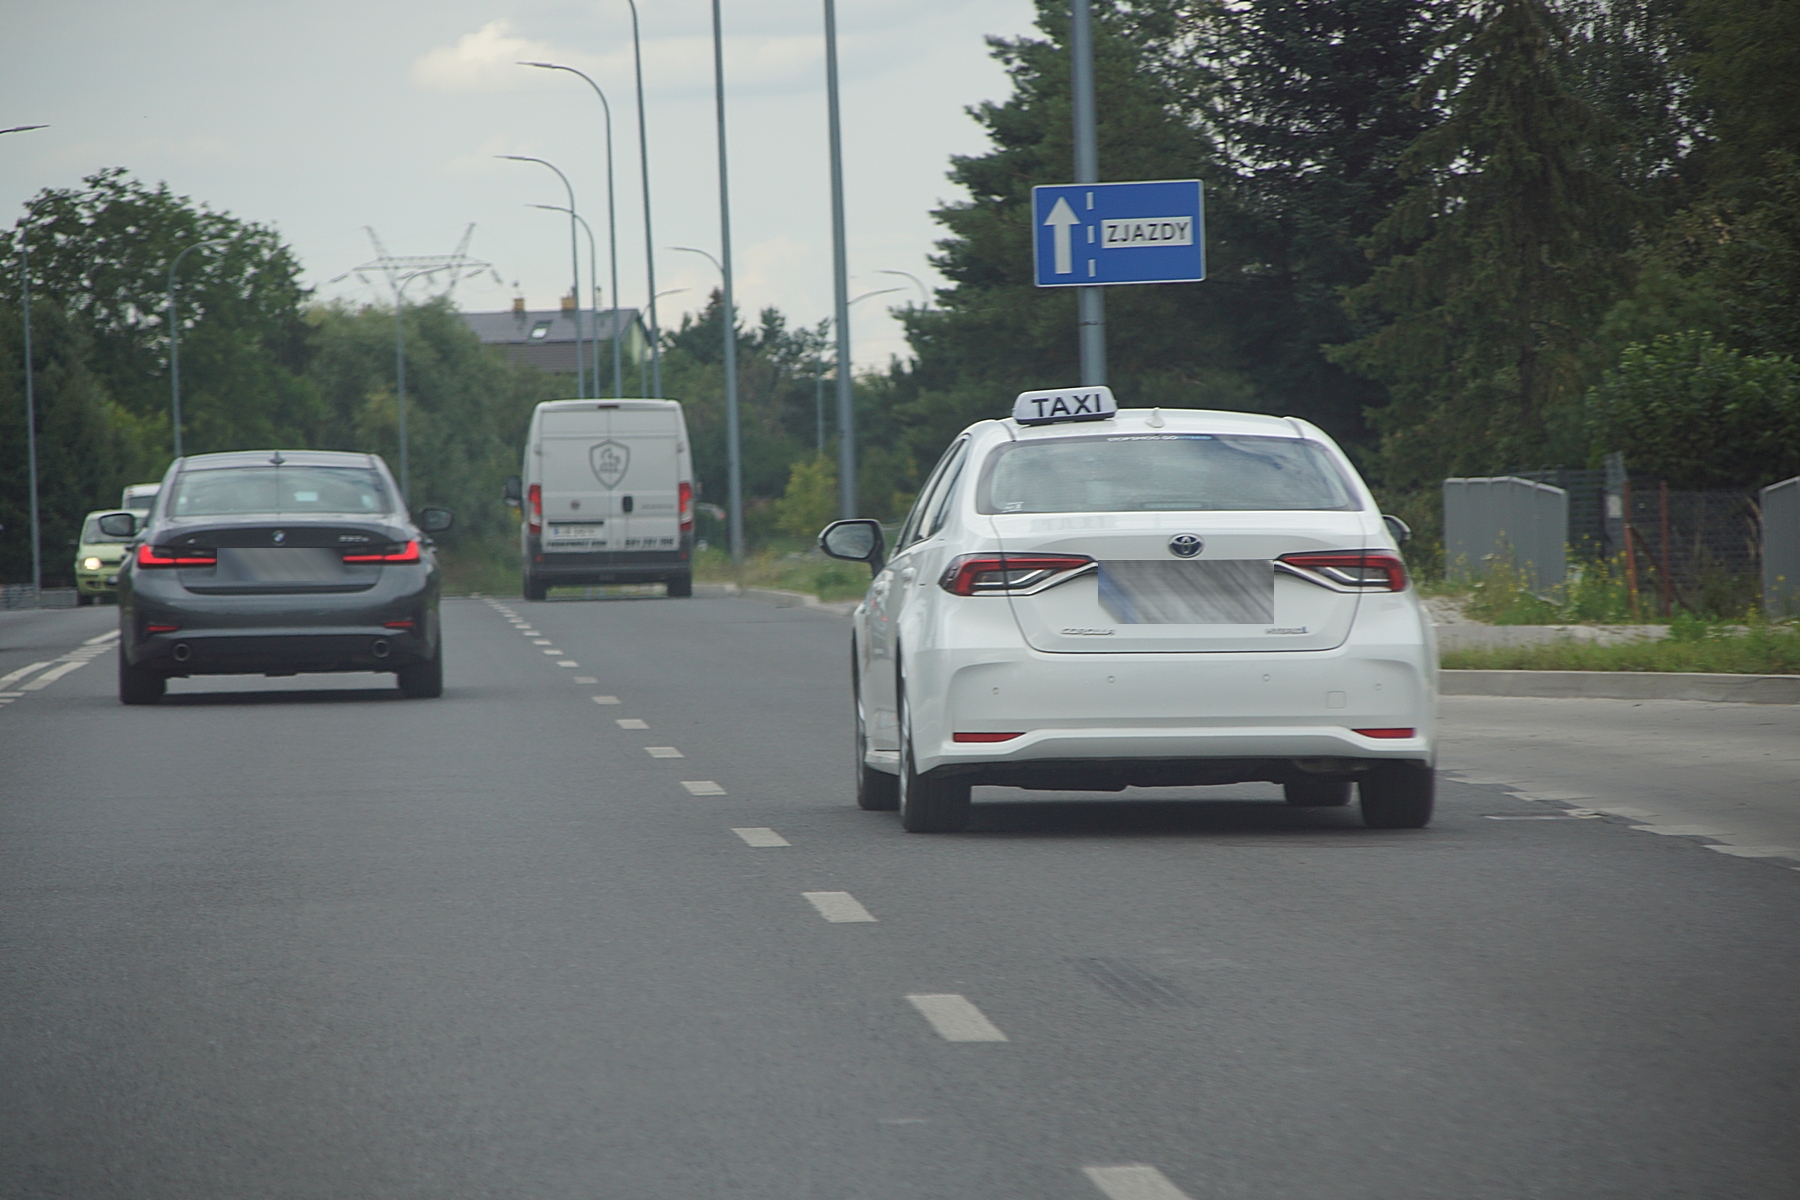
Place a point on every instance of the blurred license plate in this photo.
(1222, 592)
(577, 531)
(280, 565)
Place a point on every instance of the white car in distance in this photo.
(1089, 599)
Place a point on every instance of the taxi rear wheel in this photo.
(1398, 795)
(928, 805)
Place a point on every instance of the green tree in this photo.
(811, 500)
(102, 252)
(1694, 412)
(1499, 262)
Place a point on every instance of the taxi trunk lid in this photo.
(1182, 582)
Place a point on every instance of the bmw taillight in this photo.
(999, 574)
(1349, 570)
(149, 556)
(534, 509)
(686, 501)
(407, 554)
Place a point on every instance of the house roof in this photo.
(517, 328)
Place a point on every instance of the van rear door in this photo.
(644, 451)
(575, 465)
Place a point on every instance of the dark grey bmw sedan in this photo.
(278, 562)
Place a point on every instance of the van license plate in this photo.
(577, 531)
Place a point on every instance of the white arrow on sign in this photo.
(1062, 216)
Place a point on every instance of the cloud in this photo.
(483, 61)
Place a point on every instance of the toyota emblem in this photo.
(1186, 545)
(279, 536)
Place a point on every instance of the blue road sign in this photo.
(1089, 234)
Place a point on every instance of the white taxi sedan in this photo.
(1089, 599)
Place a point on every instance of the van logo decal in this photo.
(610, 461)
(1186, 545)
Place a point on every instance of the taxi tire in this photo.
(1317, 793)
(1398, 795)
(422, 680)
(876, 791)
(928, 805)
(139, 685)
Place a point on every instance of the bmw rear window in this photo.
(1163, 472)
(231, 491)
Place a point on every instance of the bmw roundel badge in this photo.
(1186, 545)
(279, 536)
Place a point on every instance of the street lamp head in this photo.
(544, 65)
(23, 128)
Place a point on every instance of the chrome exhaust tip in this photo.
(182, 652)
(379, 648)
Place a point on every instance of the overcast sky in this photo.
(323, 117)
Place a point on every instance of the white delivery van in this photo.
(608, 496)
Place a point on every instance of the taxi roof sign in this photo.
(1065, 404)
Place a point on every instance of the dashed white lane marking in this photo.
(632, 723)
(105, 637)
(53, 674)
(584, 679)
(11, 695)
(1684, 830)
(955, 1019)
(22, 672)
(663, 752)
(702, 787)
(1527, 816)
(761, 837)
(1134, 1182)
(568, 662)
(606, 699)
(540, 641)
(840, 908)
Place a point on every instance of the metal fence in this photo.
(1693, 550)
(1781, 548)
(1505, 518)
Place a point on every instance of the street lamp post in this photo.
(734, 466)
(1090, 301)
(594, 312)
(637, 58)
(175, 340)
(612, 229)
(819, 368)
(37, 549)
(574, 264)
(840, 278)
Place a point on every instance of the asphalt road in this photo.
(303, 938)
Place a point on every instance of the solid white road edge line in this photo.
(761, 837)
(702, 787)
(955, 1019)
(22, 672)
(1134, 1182)
(840, 908)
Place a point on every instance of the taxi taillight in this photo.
(407, 554)
(997, 574)
(149, 556)
(1370, 570)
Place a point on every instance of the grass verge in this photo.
(1764, 650)
(792, 571)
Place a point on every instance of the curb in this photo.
(1623, 685)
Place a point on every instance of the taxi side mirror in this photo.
(855, 541)
(119, 524)
(1400, 529)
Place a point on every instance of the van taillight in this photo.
(686, 502)
(997, 574)
(1350, 570)
(169, 556)
(534, 501)
(407, 554)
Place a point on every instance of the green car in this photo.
(98, 557)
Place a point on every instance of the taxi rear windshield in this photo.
(1163, 472)
(230, 491)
